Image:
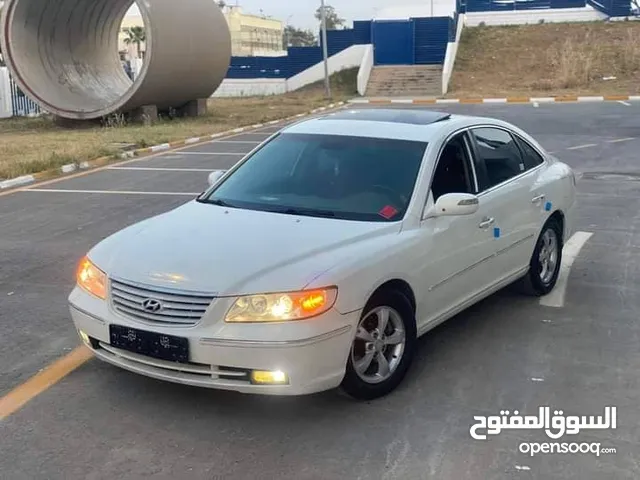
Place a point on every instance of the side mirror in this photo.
(453, 204)
(215, 176)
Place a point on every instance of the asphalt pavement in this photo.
(508, 352)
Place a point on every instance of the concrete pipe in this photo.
(64, 54)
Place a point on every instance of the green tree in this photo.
(296, 37)
(135, 35)
(332, 18)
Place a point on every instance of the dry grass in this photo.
(548, 60)
(30, 145)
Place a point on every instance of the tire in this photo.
(540, 281)
(369, 384)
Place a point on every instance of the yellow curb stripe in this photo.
(471, 100)
(424, 101)
(518, 100)
(616, 98)
(52, 374)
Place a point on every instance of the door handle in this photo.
(537, 199)
(487, 222)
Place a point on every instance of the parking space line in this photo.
(624, 103)
(204, 153)
(162, 169)
(569, 253)
(113, 192)
(52, 374)
(621, 140)
(586, 145)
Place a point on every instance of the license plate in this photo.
(156, 345)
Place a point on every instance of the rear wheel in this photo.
(383, 347)
(544, 266)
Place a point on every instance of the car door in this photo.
(452, 259)
(508, 191)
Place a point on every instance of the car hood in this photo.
(228, 251)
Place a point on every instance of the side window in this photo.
(531, 157)
(500, 154)
(453, 172)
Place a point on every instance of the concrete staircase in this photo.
(405, 81)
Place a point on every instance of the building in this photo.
(251, 35)
(254, 35)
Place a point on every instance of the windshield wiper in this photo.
(218, 202)
(307, 212)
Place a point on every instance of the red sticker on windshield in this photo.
(388, 212)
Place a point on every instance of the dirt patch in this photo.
(594, 58)
(31, 145)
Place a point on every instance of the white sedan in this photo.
(319, 258)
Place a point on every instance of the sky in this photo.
(299, 13)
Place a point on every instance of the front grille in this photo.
(177, 307)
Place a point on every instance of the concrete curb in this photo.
(440, 101)
(142, 152)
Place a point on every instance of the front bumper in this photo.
(313, 363)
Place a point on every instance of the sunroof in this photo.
(414, 117)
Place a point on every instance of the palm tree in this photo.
(135, 35)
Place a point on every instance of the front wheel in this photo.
(383, 347)
(544, 266)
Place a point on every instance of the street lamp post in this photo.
(327, 83)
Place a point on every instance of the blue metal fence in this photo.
(431, 38)
(299, 59)
(21, 104)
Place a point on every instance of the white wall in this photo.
(270, 53)
(348, 58)
(425, 8)
(251, 87)
(450, 56)
(586, 14)
(6, 107)
(365, 70)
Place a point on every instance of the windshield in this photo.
(343, 177)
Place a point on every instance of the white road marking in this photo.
(113, 192)
(586, 145)
(522, 467)
(624, 103)
(202, 153)
(569, 254)
(621, 140)
(162, 169)
(537, 379)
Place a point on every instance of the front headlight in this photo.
(91, 278)
(282, 307)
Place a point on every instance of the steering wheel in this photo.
(401, 201)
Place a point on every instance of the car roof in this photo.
(390, 123)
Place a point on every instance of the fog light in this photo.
(269, 378)
(84, 337)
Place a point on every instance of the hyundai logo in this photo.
(151, 305)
